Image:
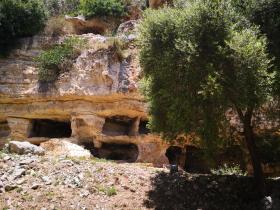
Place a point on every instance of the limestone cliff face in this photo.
(97, 99)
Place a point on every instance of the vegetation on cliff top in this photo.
(20, 18)
(101, 8)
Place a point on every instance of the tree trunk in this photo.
(255, 159)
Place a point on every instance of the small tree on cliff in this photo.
(199, 62)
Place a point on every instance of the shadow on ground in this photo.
(187, 192)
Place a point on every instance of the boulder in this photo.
(58, 147)
(25, 148)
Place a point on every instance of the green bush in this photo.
(101, 8)
(20, 18)
(229, 170)
(55, 60)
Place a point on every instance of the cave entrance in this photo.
(50, 128)
(195, 160)
(93, 30)
(143, 127)
(173, 153)
(112, 151)
(4, 129)
(4, 132)
(117, 126)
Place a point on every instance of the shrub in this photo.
(101, 8)
(229, 170)
(57, 59)
(20, 18)
(109, 191)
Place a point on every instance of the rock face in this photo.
(25, 148)
(95, 103)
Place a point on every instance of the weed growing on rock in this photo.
(58, 59)
(109, 191)
(118, 47)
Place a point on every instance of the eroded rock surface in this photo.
(80, 103)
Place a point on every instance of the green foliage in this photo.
(229, 170)
(266, 15)
(199, 62)
(109, 191)
(102, 8)
(20, 18)
(52, 61)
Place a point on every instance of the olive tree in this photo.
(199, 62)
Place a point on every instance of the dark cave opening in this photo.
(173, 154)
(113, 151)
(117, 126)
(195, 160)
(143, 127)
(50, 128)
(4, 129)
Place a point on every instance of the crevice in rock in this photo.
(50, 128)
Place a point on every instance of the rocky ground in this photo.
(48, 183)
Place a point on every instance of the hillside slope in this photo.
(34, 182)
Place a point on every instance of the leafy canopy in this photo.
(199, 62)
(266, 15)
